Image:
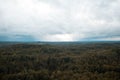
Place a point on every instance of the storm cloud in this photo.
(59, 20)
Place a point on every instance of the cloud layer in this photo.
(59, 20)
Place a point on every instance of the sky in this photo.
(59, 20)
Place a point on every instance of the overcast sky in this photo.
(59, 20)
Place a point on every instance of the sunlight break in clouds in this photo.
(59, 37)
(59, 20)
(62, 37)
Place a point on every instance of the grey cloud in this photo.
(80, 19)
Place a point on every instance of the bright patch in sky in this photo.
(59, 37)
(59, 20)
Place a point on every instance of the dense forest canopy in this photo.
(60, 61)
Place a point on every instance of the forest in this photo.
(60, 61)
